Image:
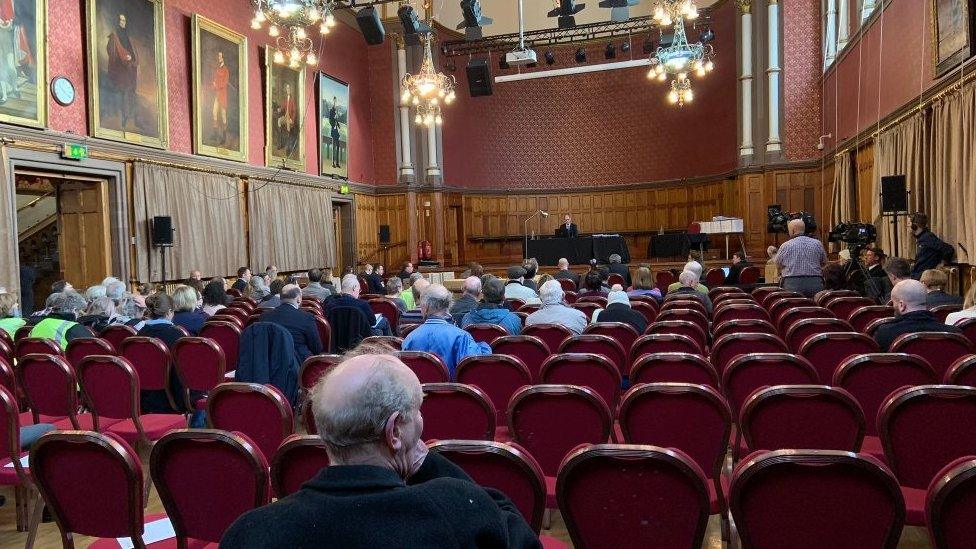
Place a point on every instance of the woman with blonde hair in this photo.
(969, 308)
(10, 319)
(186, 306)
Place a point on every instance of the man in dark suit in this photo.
(300, 324)
(565, 273)
(350, 298)
(243, 276)
(931, 251)
(619, 310)
(616, 267)
(568, 229)
(873, 259)
(382, 488)
(935, 282)
(912, 315)
(739, 262)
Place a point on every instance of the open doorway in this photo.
(344, 230)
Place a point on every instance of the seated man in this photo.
(689, 285)
(555, 311)
(373, 280)
(437, 335)
(616, 267)
(414, 314)
(619, 310)
(350, 298)
(565, 273)
(516, 290)
(493, 310)
(935, 282)
(381, 488)
(243, 276)
(696, 268)
(60, 324)
(739, 262)
(394, 287)
(315, 289)
(531, 268)
(300, 324)
(408, 296)
(912, 315)
(470, 294)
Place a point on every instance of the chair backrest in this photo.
(110, 386)
(615, 278)
(962, 372)
(682, 327)
(10, 431)
(675, 368)
(801, 330)
(692, 315)
(826, 351)
(683, 303)
(624, 334)
(81, 347)
(324, 329)
(200, 363)
(863, 316)
(950, 505)
(760, 293)
(816, 498)
(602, 345)
(780, 306)
(486, 333)
(749, 326)
(940, 312)
(116, 333)
(749, 275)
(514, 303)
(7, 350)
(259, 411)
(815, 417)
(567, 285)
(695, 419)
(968, 327)
(714, 278)
(730, 346)
(570, 296)
(208, 478)
(387, 308)
(529, 308)
(941, 350)
(925, 427)
(499, 376)
(877, 323)
(585, 369)
(531, 350)
(648, 311)
(151, 359)
(826, 295)
(393, 342)
(298, 460)
(428, 366)
(749, 372)
(507, 468)
(727, 292)
(598, 486)
(36, 345)
(663, 279)
(552, 335)
(872, 377)
(737, 311)
(842, 307)
(92, 483)
(598, 299)
(50, 386)
(228, 336)
(770, 299)
(457, 411)
(789, 317)
(587, 307)
(314, 368)
(22, 332)
(663, 343)
(584, 418)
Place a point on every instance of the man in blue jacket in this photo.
(437, 335)
(300, 324)
(492, 311)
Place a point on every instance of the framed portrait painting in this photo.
(952, 31)
(23, 62)
(219, 91)
(127, 71)
(284, 111)
(333, 127)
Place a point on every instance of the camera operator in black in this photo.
(931, 249)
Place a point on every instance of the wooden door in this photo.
(83, 232)
(339, 248)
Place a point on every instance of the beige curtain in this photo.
(842, 201)
(950, 191)
(900, 150)
(9, 263)
(207, 215)
(290, 226)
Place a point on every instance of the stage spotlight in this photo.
(473, 19)
(649, 47)
(611, 51)
(550, 57)
(502, 63)
(581, 55)
(565, 12)
(707, 35)
(411, 23)
(625, 47)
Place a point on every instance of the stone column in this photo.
(773, 71)
(746, 147)
(405, 169)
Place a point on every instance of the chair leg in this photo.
(35, 519)
(547, 519)
(145, 492)
(20, 508)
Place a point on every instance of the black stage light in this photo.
(625, 47)
(707, 35)
(502, 63)
(473, 19)
(411, 21)
(619, 9)
(611, 51)
(581, 55)
(550, 57)
(565, 12)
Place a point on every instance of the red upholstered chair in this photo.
(815, 417)
(404, 330)
(116, 333)
(499, 376)
(298, 460)
(587, 307)
(457, 411)
(51, 392)
(529, 349)
(182, 330)
(325, 331)
(732, 345)
(529, 308)
(486, 333)
(601, 345)
(597, 487)
(200, 364)
(86, 346)
(941, 350)
(314, 368)
(624, 334)
(749, 372)
(874, 376)
(823, 297)
(842, 307)
(240, 313)
(808, 499)
(36, 345)
(770, 299)
(801, 330)
(22, 332)
(110, 386)
(567, 285)
(968, 328)
(749, 275)
(690, 315)
(730, 291)
(663, 279)
(584, 418)
(950, 505)
(780, 306)
(387, 308)
(749, 326)
(673, 368)
(863, 316)
(663, 343)
(650, 300)
(587, 370)
(962, 372)
(552, 335)
(695, 419)
(428, 366)
(227, 335)
(615, 278)
(7, 351)
(759, 293)
(569, 297)
(207, 479)
(234, 292)
(874, 324)
(93, 485)
(6, 338)
(679, 303)
(680, 327)
(787, 318)
(923, 429)
(714, 278)
(826, 351)
(152, 361)
(599, 300)
(12, 471)
(735, 311)
(648, 311)
(393, 342)
(942, 311)
(259, 411)
(317, 311)
(515, 304)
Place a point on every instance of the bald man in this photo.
(801, 260)
(912, 315)
(382, 488)
(565, 273)
(470, 297)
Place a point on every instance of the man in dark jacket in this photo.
(243, 276)
(468, 301)
(350, 298)
(688, 284)
(382, 488)
(909, 299)
(931, 249)
(616, 267)
(492, 311)
(739, 262)
(300, 324)
(565, 274)
(619, 310)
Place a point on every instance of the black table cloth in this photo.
(675, 244)
(578, 250)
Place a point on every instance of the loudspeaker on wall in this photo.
(162, 230)
(479, 77)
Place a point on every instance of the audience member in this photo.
(243, 276)
(95, 292)
(60, 324)
(896, 269)
(273, 299)
(644, 285)
(195, 275)
(414, 315)
(739, 262)
(619, 310)
(470, 294)
(565, 274)
(186, 310)
(493, 310)
(968, 311)
(555, 311)
(256, 288)
(300, 324)
(409, 295)
(801, 260)
(474, 269)
(689, 288)
(10, 319)
(159, 324)
(197, 285)
(315, 289)
(437, 335)
(394, 287)
(99, 314)
(603, 270)
(350, 298)
(695, 256)
(382, 488)
(374, 283)
(61, 286)
(872, 258)
(406, 271)
(544, 278)
(696, 268)
(271, 272)
(531, 268)
(911, 315)
(132, 311)
(515, 289)
(214, 296)
(935, 283)
(593, 284)
(834, 277)
(616, 267)
(932, 251)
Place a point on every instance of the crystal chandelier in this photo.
(427, 89)
(287, 22)
(680, 58)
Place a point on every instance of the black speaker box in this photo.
(894, 197)
(162, 231)
(370, 25)
(479, 77)
(384, 234)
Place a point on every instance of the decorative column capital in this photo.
(398, 39)
(745, 6)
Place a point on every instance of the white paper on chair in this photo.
(23, 462)
(157, 530)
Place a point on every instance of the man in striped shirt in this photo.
(801, 260)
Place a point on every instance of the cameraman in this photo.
(801, 260)
(931, 249)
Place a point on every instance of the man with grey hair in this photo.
(409, 295)
(801, 260)
(470, 296)
(116, 291)
(688, 281)
(61, 323)
(382, 488)
(350, 288)
(300, 324)
(437, 335)
(95, 292)
(616, 267)
(555, 311)
(696, 268)
(514, 289)
(909, 297)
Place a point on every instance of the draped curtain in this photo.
(950, 190)
(9, 272)
(843, 193)
(290, 226)
(208, 219)
(902, 149)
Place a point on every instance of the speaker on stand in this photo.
(894, 202)
(161, 230)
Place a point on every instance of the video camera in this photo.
(777, 220)
(855, 235)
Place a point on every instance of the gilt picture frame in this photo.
(952, 34)
(284, 114)
(23, 63)
(220, 108)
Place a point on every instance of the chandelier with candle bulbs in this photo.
(288, 22)
(427, 89)
(680, 58)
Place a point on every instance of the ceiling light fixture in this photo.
(676, 57)
(287, 22)
(427, 89)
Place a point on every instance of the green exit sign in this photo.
(343, 189)
(74, 151)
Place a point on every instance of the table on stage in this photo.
(578, 250)
(675, 244)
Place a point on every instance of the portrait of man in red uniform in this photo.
(219, 83)
(123, 73)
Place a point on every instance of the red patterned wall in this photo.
(802, 75)
(382, 107)
(601, 128)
